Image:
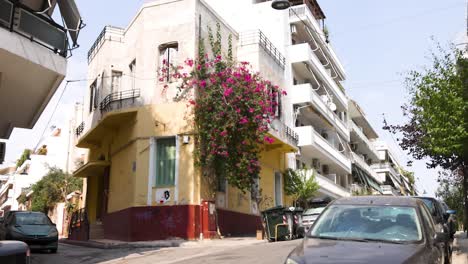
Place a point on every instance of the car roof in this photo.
(8, 248)
(379, 200)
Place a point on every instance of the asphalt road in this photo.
(237, 253)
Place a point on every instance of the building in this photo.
(32, 43)
(131, 129)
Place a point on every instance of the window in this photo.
(278, 200)
(221, 183)
(167, 57)
(116, 81)
(132, 68)
(165, 161)
(92, 96)
(426, 216)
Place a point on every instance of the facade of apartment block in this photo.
(33, 43)
(141, 180)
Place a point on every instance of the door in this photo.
(278, 193)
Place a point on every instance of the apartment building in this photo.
(32, 42)
(140, 171)
(390, 172)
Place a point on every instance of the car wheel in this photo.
(53, 251)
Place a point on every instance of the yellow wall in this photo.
(130, 143)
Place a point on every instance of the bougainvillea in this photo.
(232, 110)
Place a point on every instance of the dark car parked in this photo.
(440, 217)
(451, 219)
(372, 229)
(33, 228)
(14, 252)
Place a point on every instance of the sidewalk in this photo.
(460, 249)
(113, 244)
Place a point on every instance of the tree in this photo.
(300, 185)
(53, 188)
(436, 126)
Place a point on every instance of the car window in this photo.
(384, 223)
(426, 215)
(430, 205)
(31, 219)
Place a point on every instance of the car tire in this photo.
(53, 251)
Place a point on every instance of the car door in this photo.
(3, 226)
(435, 253)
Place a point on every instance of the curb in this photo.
(95, 244)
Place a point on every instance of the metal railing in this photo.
(79, 129)
(257, 37)
(120, 96)
(285, 131)
(108, 33)
(38, 28)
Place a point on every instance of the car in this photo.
(372, 229)
(440, 217)
(309, 216)
(451, 219)
(14, 252)
(33, 228)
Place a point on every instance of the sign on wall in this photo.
(163, 195)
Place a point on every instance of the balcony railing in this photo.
(38, 28)
(257, 36)
(389, 190)
(361, 163)
(285, 132)
(79, 129)
(121, 96)
(331, 186)
(363, 137)
(385, 166)
(108, 33)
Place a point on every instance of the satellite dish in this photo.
(332, 106)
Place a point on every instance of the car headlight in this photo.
(53, 232)
(291, 261)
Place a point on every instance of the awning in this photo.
(92, 168)
(72, 18)
(366, 179)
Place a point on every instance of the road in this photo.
(259, 253)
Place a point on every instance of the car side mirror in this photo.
(440, 238)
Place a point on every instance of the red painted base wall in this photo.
(153, 223)
(238, 224)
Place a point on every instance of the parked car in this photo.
(440, 219)
(372, 229)
(309, 216)
(451, 219)
(33, 228)
(14, 252)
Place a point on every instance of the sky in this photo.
(378, 42)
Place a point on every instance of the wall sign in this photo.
(163, 195)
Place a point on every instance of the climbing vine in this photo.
(232, 109)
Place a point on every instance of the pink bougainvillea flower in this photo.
(269, 139)
(284, 92)
(227, 92)
(223, 133)
(202, 83)
(243, 120)
(251, 110)
(192, 102)
(189, 62)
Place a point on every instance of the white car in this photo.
(309, 216)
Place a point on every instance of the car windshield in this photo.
(378, 223)
(313, 211)
(31, 219)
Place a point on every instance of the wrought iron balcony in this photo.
(119, 98)
(257, 36)
(79, 129)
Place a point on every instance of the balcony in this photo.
(369, 146)
(386, 167)
(389, 190)
(258, 37)
(330, 188)
(115, 109)
(312, 144)
(302, 13)
(284, 136)
(359, 161)
(109, 33)
(304, 61)
(304, 94)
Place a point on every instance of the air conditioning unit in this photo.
(353, 146)
(316, 164)
(293, 29)
(325, 169)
